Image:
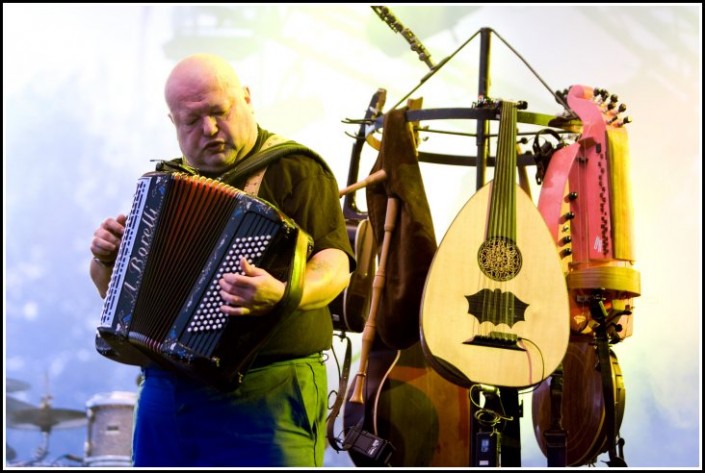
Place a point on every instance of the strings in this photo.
(499, 253)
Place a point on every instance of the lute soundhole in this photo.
(499, 259)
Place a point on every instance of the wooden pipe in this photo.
(368, 334)
(371, 179)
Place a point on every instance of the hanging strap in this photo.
(339, 395)
(257, 164)
(556, 436)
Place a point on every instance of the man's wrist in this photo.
(105, 264)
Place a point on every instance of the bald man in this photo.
(276, 417)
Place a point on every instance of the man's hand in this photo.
(255, 292)
(104, 247)
(106, 239)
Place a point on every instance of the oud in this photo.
(495, 307)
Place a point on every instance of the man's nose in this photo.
(210, 126)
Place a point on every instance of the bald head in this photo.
(211, 110)
(200, 71)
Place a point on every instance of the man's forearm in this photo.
(100, 274)
(327, 274)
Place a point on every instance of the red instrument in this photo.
(586, 203)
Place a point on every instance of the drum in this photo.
(109, 440)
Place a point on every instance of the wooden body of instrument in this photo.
(352, 306)
(586, 203)
(583, 406)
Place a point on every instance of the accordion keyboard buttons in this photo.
(208, 316)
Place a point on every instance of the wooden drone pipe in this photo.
(368, 334)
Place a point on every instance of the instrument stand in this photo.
(485, 439)
(40, 453)
(494, 437)
(509, 446)
(511, 440)
(599, 314)
(484, 446)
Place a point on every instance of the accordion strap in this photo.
(295, 281)
(292, 293)
(272, 149)
(265, 157)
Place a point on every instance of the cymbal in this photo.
(13, 404)
(46, 419)
(13, 385)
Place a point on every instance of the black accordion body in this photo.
(163, 303)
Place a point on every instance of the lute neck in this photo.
(502, 218)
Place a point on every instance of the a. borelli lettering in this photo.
(137, 262)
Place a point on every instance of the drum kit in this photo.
(108, 418)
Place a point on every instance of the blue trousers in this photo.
(275, 418)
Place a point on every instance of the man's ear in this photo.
(171, 117)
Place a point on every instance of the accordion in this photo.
(162, 307)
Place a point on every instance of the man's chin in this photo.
(215, 162)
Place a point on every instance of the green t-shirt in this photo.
(303, 187)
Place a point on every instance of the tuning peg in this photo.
(561, 95)
(599, 94)
(612, 103)
(624, 121)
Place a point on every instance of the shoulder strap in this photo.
(255, 180)
(256, 166)
(274, 148)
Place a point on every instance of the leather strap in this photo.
(274, 147)
(255, 180)
(262, 159)
(339, 395)
(292, 295)
(556, 436)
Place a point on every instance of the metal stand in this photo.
(508, 446)
(487, 447)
